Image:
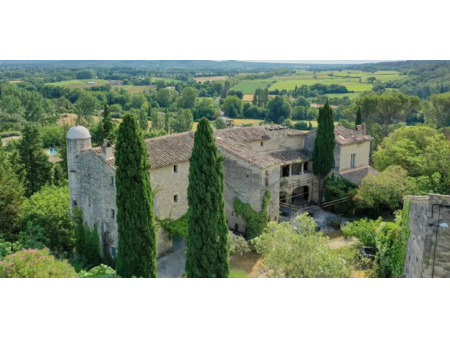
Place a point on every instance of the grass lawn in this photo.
(79, 83)
(237, 274)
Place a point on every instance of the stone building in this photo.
(256, 159)
(428, 253)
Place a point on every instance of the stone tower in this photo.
(78, 140)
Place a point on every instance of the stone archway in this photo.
(300, 195)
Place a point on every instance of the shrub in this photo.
(178, 227)
(101, 271)
(50, 210)
(364, 230)
(337, 188)
(87, 241)
(7, 248)
(238, 244)
(220, 123)
(35, 263)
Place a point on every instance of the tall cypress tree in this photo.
(107, 125)
(207, 240)
(38, 170)
(137, 235)
(358, 120)
(323, 153)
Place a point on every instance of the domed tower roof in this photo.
(78, 133)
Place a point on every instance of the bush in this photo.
(87, 241)
(238, 244)
(50, 209)
(7, 248)
(101, 271)
(178, 227)
(35, 263)
(364, 230)
(337, 188)
(10, 133)
(220, 123)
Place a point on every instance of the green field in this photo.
(79, 83)
(249, 86)
(354, 81)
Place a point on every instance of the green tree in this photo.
(232, 106)
(301, 253)
(323, 152)
(382, 193)
(207, 242)
(143, 119)
(11, 198)
(137, 234)
(50, 210)
(206, 108)
(183, 121)
(187, 98)
(107, 127)
(38, 170)
(439, 114)
(165, 97)
(157, 119)
(220, 123)
(85, 108)
(279, 110)
(358, 120)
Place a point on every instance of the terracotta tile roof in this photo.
(348, 136)
(356, 175)
(170, 149)
(293, 155)
(176, 148)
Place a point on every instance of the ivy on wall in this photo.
(256, 220)
(177, 227)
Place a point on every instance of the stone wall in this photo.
(166, 183)
(428, 253)
(362, 151)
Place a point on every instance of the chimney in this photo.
(360, 131)
(107, 152)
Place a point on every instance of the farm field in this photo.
(210, 78)
(249, 86)
(356, 81)
(99, 82)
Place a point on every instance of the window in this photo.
(113, 251)
(285, 170)
(352, 160)
(175, 198)
(89, 202)
(74, 203)
(266, 182)
(296, 169)
(113, 213)
(262, 144)
(112, 181)
(236, 227)
(175, 169)
(305, 166)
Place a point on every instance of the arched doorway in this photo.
(300, 195)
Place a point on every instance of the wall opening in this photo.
(296, 169)
(285, 170)
(300, 195)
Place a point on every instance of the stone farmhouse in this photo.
(256, 159)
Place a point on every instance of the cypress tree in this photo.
(358, 117)
(137, 235)
(38, 170)
(207, 240)
(107, 125)
(323, 152)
